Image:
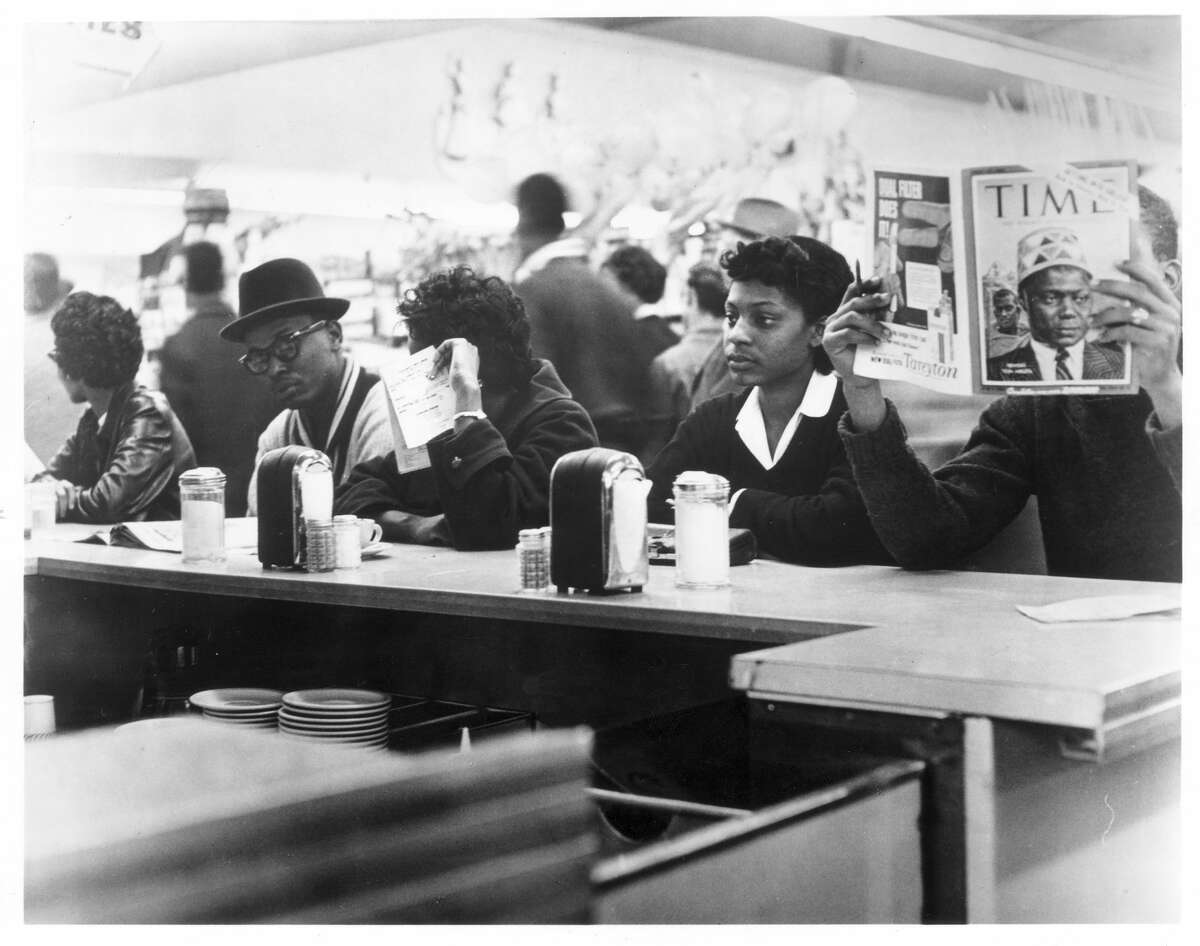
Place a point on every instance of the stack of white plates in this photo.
(350, 717)
(245, 706)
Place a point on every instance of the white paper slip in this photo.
(424, 406)
(1104, 608)
(408, 459)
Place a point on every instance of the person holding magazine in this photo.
(1107, 469)
(776, 439)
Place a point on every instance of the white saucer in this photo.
(374, 550)
(333, 701)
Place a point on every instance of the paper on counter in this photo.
(424, 406)
(1104, 608)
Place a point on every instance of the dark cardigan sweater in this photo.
(1107, 479)
(489, 480)
(805, 509)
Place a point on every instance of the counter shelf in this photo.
(932, 681)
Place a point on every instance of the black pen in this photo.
(858, 285)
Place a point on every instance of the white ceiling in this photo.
(325, 108)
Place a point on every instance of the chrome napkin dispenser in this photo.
(285, 475)
(598, 522)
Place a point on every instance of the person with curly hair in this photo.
(777, 441)
(124, 459)
(489, 476)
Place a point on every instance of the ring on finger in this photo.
(1138, 316)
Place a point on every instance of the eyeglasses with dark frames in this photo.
(284, 348)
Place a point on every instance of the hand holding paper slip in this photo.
(420, 407)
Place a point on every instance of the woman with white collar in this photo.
(777, 442)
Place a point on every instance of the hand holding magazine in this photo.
(993, 279)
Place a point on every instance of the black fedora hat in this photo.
(280, 287)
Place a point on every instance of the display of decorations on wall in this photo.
(692, 156)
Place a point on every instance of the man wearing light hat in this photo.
(1054, 282)
(292, 337)
(754, 218)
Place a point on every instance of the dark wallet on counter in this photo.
(742, 546)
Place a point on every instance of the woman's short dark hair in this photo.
(481, 309)
(812, 274)
(639, 271)
(97, 340)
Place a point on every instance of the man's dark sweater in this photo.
(1107, 479)
(805, 509)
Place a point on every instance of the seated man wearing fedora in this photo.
(292, 336)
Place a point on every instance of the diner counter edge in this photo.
(870, 636)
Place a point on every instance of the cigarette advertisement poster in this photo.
(1039, 238)
(912, 242)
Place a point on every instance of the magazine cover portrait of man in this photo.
(1042, 242)
(1054, 288)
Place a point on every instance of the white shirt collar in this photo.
(818, 397)
(647, 309)
(568, 248)
(1046, 355)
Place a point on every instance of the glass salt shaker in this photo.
(347, 542)
(533, 560)
(701, 530)
(202, 510)
(320, 551)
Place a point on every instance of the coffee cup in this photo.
(369, 532)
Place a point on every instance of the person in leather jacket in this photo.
(124, 459)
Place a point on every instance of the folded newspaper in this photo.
(991, 277)
(167, 536)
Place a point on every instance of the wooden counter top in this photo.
(943, 641)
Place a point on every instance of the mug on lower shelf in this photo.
(39, 716)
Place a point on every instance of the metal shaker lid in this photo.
(202, 476)
(698, 483)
